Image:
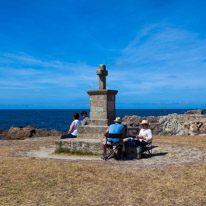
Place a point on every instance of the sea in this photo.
(60, 119)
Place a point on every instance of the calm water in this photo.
(60, 119)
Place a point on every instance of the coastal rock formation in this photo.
(193, 122)
(190, 123)
(3, 133)
(197, 111)
(26, 132)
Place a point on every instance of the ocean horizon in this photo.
(60, 119)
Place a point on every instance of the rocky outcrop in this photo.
(3, 133)
(190, 123)
(197, 111)
(26, 132)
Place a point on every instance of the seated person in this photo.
(145, 135)
(84, 117)
(72, 133)
(116, 128)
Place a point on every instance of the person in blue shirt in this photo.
(114, 130)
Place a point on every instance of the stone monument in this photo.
(102, 108)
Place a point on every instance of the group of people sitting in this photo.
(72, 133)
(114, 130)
(117, 130)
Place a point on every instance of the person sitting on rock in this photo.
(84, 117)
(145, 135)
(72, 133)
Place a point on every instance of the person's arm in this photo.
(106, 132)
(71, 127)
(139, 136)
(149, 135)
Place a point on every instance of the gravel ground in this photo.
(163, 155)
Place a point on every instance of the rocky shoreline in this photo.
(193, 122)
(18, 133)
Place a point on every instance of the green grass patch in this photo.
(73, 152)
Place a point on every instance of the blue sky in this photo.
(154, 50)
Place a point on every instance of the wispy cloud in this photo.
(163, 56)
(25, 70)
(163, 43)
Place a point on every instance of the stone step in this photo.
(100, 122)
(84, 145)
(91, 132)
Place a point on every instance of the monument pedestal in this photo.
(102, 114)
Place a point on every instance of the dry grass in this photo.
(198, 141)
(45, 182)
(28, 181)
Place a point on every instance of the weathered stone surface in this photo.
(102, 72)
(91, 132)
(84, 145)
(98, 122)
(3, 133)
(197, 111)
(22, 133)
(202, 128)
(172, 124)
(102, 104)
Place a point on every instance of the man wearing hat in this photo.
(145, 134)
(115, 128)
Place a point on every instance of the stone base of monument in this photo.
(83, 145)
(91, 132)
(88, 140)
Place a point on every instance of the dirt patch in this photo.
(163, 155)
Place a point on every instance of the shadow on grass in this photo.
(159, 154)
(153, 154)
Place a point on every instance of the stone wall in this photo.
(83, 145)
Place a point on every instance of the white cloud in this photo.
(162, 56)
(24, 70)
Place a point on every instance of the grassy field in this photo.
(29, 181)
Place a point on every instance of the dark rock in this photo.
(3, 133)
(22, 133)
(198, 111)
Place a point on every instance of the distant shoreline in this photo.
(60, 119)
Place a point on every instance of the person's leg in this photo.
(103, 142)
(140, 143)
(64, 136)
(105, 146)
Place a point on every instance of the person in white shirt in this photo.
(145, 135)
(72, 133)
